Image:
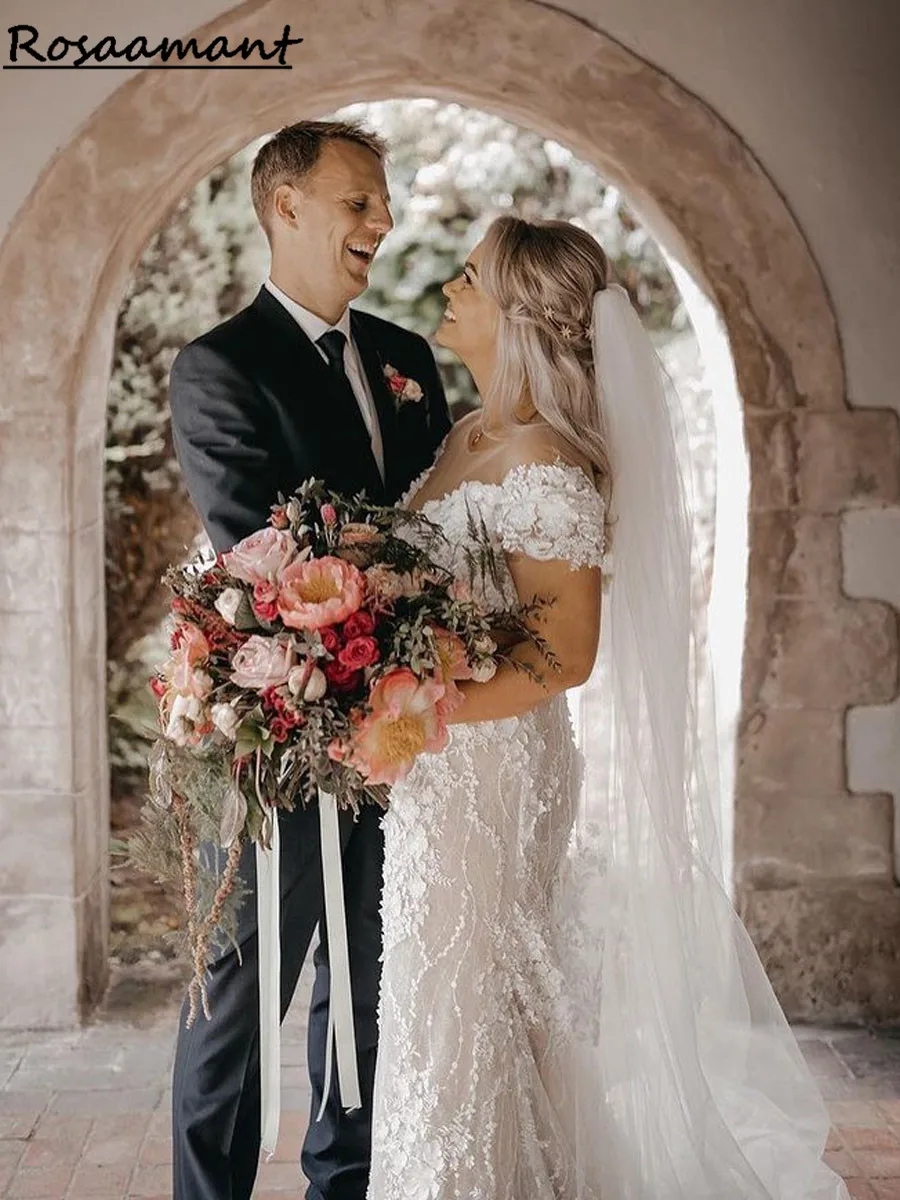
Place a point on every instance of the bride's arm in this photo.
(570, 623)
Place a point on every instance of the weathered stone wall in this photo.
(813, 862)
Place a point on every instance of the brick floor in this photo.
(85, 1114)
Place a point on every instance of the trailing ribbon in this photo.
(341, 1036)
(268, 921)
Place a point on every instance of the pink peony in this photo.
(359, 652)
(262, 556)
(450, 701)
(323, 591)
(262, 663)
(404, 721)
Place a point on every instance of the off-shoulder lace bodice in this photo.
(543, 510)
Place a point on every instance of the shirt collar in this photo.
(311, 325)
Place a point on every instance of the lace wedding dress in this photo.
(482, 1092)
(469, 1085)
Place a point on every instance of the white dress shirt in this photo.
(314, 327)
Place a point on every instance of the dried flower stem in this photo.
(201, 943)
(189, 890)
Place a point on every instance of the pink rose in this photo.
(328, 514)
(262, 556)
(359, 652)
(359, 624)
(321, 592)
(262, 663)
(265, 600)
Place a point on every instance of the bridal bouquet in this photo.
(322, 652)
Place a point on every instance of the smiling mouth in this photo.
(449, 315)
(362, 253)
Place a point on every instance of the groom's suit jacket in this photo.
(255, 411)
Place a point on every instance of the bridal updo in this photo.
(543, 276)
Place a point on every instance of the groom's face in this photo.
(335, 221)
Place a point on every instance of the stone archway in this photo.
(814, 878)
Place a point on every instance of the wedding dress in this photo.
(500, 1074)
(570, 1007)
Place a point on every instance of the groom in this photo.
(296, 385)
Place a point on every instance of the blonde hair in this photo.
(543, 276)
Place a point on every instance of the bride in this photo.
(570, 1008)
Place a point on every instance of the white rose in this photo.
(484, 644)
(484, 671)
(316, 686)
(227, 604)
(186, 711)
(225, 719)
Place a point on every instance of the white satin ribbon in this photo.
(341, 1036)
(268, 923)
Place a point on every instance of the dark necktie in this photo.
(332, 343)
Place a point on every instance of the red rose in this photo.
(359, 624)
(341, 677)
(330, 639)
(359, 652)
(279, 729)
(158, 686)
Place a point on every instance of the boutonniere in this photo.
(406, 390)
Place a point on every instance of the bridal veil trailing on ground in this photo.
(689, 1082)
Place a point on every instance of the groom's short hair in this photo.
(293, 151)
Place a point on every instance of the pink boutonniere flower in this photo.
(406, 390)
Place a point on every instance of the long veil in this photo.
(689, 1082)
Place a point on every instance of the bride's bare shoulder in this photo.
(539, 442)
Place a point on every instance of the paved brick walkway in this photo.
(86, 1114)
